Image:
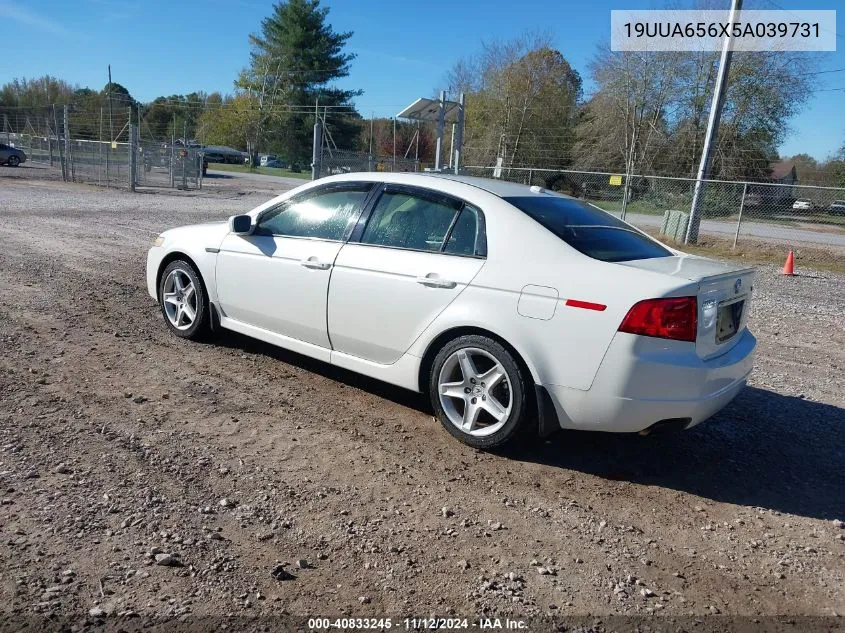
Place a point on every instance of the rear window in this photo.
(589, 230)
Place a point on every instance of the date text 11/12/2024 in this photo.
(416, 624)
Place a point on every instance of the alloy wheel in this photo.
(475, 391)
(179, 297)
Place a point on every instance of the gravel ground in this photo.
(143, 474)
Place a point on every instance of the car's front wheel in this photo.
(183, 300)
(478, 392)
(14, 161)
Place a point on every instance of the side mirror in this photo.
(240, 224)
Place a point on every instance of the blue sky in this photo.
(404, 49)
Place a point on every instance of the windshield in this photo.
(589, 230)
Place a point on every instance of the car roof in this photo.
(500, 188)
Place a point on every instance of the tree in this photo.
(522, 103)
(835, 168)
(27, 103)
(292, 64)
(652, 108)
(172, 116)
(228, 123)
(623, 126)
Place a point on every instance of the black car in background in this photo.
(11, 156)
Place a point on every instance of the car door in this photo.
(277, 278)
(5, 152)
(416, 253)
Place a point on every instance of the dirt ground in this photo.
(120, 444)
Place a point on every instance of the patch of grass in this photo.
(754, 252)
(266, 171)
(635, 206)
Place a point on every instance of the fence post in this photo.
(625, 190)
(316, 152)
(741, 207)
(59, 144)
(184, 154)
(131, 156)
(68, 160)
(172, 152)
(100, 152)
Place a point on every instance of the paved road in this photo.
(769, 232)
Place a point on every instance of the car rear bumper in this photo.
(642, 381)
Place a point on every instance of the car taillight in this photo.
(674, 318)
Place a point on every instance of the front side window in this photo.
(404, 220)
(323, 215)
(591, 231)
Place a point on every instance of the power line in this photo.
(780, 8)
(822, 72)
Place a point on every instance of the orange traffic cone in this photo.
(789, 265)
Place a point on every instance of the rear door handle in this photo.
(316, 264)
(436, 282)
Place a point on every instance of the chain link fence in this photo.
(788, 214)
(127, 161)
(334, 161)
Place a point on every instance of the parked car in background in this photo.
(837, 207)
(267, 158)
(214, 157)
(11, 156)
(803, 204)
(463, 288)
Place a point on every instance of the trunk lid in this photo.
(723, 293)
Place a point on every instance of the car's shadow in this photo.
(217, 176)
(764, 450)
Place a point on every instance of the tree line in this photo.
(647, 113)
(644, 113)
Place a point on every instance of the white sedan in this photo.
(514, 308)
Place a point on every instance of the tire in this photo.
(452, 391)
(13, 161)
(177, 304)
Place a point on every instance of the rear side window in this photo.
(589, 230)
(464, 237)
(402, 220)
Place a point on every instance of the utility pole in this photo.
(111, 133)
(458, 141)
(712, 129)
(441, 123)
(394, 143)
(111, 122)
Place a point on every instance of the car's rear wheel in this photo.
(477, 391)
(183, 300)
(14, 161)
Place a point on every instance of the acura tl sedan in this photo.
(514, 308)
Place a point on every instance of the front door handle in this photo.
(316, 264)
(436, 282)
